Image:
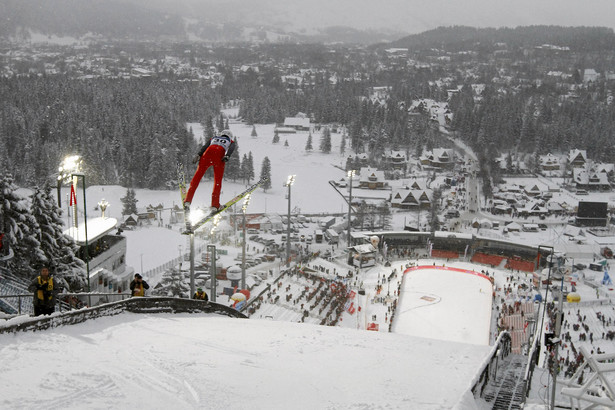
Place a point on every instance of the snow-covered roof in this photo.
(457, 235)
(297, 122)
(96, 228)
(513, 226)
(364, 248)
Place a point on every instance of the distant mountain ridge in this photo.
(110, 18)
(464, 38)
(155, 20)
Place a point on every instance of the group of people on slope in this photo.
(45, 291)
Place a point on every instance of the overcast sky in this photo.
(411, 16)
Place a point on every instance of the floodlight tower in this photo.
(351, 174)
(70, 170)
(289, 183)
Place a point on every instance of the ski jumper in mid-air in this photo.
(216, 152)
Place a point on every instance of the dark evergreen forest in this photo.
(132, 131)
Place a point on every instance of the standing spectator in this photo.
(138, 286)
(200, 295)
(45, 292)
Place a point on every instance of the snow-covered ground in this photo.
(162, 361)
(439, 340)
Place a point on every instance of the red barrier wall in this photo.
(493, 260)
(524, 266)
(438, 253)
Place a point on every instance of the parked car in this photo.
(256, 278)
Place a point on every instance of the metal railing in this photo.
(501, 349)
(145, 304)
(64, 301)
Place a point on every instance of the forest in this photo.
(132, 132)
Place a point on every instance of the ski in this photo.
(224, 207)
(181, 180)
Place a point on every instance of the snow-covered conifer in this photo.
(57, 248)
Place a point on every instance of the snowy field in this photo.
(310, 193)
(445, 303)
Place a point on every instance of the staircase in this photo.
(507, 389)
(9, 286)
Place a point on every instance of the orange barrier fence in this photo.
(524, 266)
(493, 260)
(440, 253)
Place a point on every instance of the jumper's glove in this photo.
(196, 159)
(225, 158)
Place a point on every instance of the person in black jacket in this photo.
(45, 291)
(138, 286)
(200, 295)
(216, 152)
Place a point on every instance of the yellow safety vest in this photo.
(139, 290)
(39, 293)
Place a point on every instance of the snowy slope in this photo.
(205, 361)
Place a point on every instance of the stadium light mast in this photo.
(70, 170)
(351, 174)
(289, 183)
(244, 208)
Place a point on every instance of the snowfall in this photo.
(439, 341)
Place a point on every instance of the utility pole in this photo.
(212, 271)
(244, 208)
(555, 340)
(289, 183)
(350, 175)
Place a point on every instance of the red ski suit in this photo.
(211, 155)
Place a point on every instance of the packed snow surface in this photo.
(162, 361)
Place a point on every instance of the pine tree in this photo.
(158, 166)
(434, 219)
(243, 171)
(286, 143)
(266, 173)
(129, 202)
(208, 130)
(350, 165)
(232, 169)
(20, 229)
(59, 249)
(308, 145)
(276, 137)
(325, 141)
(355, 135)
(250, 168)
(254, 134)
(174, 284)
